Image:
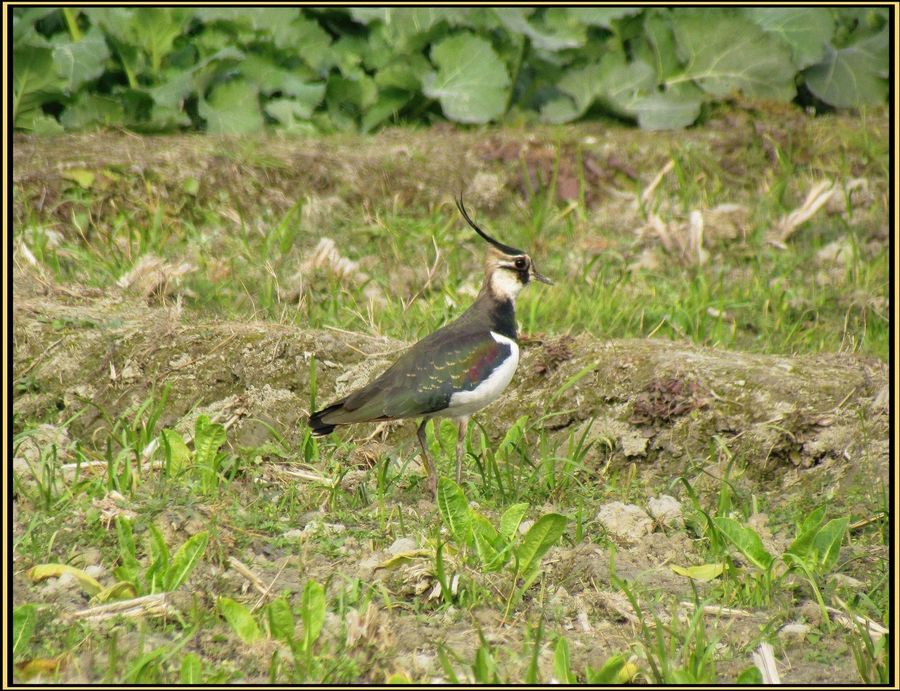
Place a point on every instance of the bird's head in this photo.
(507, 269)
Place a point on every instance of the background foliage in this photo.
(238, 70)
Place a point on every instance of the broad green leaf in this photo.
(208, 437)
(83, 177)
(539, 538)
(485, 667)
(117, 22)
(751, 676)
(77, 62)
(661, 39)
(287, 111)
(626, 84)
(471, 82)
(726, 53)
(616, 670)
(270, 77)
(745, 540)
(409, 29)
(293, 32)
(175, 86)
(582, 85)
(518, 21)
(702, 573)
(559, 110)
(853, 76)
(42, 571)
(513, 436)
(454, 510)
(34, 79)
(281, 620)
(405, 75)
(93, 111)
(232, 108)
(807, 30)
(186, 559)
(674, 108)
(191, 671)
(24, 618)
(122, 590)
(562, 665)
(684, 676)
(145, 668)
(177, 451)
(313, 613)
(602, 16)
(174, 90)
(154, 29)
(164, 118)
(38, 122)
(806, 532)
(389, 104)
(827, 542)
(23, 23)
(347, 99)
(511, 519)
(240, 619)
(488, 542)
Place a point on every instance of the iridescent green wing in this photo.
(425, 377)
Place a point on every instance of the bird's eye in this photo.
(521, 263)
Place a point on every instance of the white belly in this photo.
(464, 403)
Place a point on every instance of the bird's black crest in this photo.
(506, 249)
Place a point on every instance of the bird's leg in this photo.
(426, 459)
(463, 424)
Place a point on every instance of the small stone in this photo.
(66, 580)
(525, 526)
(625, 522)
(844, 581)
(666, 510)
(95, 571)
(402, 544)
(794, 630)
(810, 612)
(423, 662)
(633, 445)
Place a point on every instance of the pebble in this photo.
(666, 510)
(402, 544)
(625, 522)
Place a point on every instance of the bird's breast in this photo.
(489, 383)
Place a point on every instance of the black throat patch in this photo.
(503, 319)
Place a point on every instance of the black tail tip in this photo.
(318, 426)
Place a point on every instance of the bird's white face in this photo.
(507, 280)
(507, 275)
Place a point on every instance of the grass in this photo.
(352, 571)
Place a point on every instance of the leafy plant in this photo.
(813, 552)
(239, 70)
(279, 620)
(496, 547)
(207, 462)
(166, 571)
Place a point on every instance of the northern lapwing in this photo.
(455, 371)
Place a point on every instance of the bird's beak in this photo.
(540, 277)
